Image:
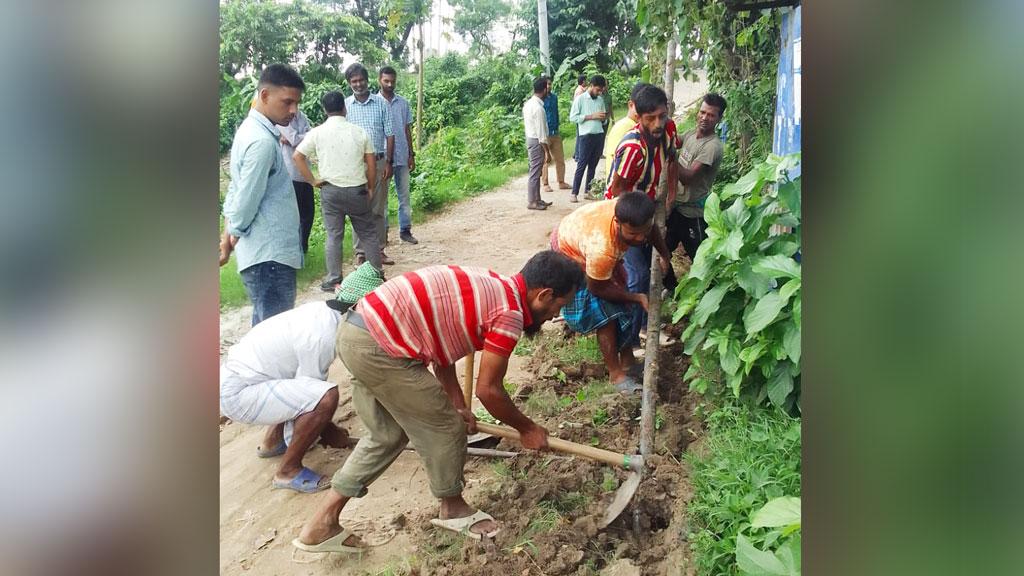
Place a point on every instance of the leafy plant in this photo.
(752, 458)
(783, 516)
(742, 293)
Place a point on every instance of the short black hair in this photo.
(281, 75)
(649, 99)
(635, 209)
(716, 100)
(581, 79)
(598, 80)
(333, 102)
(540, 83)
(387, 70)
(356, 69)
(549, 269)
(636, 90)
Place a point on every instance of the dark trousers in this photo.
(304, 198)
(271, 288)
(589, 147)
(689, 232)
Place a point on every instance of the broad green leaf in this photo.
(783, 511)
(730, 359)
(777, 266)
(757, 562)
(734, 381)
(787, 220)
(695, 340)
(691, 372)
(709, 303)
(754, 284)
(796, 309)
(784, 248)
(704, 261)
(712, 211)
(791, 341)
(789, 288)
(732, 244)
(780, 384)
(748, 183)
(789, 555)
(786, 164)
(789, 195)
(764, 312)
(750, 354)
(736, 215)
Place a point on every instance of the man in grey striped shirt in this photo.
(372, 113)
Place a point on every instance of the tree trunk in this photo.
(670, 74)
(419, 91)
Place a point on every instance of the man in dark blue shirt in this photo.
(554, 149)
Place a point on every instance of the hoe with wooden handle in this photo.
(633, 462)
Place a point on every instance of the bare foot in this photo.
(458, 508)
(318, 534)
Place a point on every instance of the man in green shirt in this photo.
(588, 112)
(700, 157)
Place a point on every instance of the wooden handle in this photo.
(467, 381)
(594, 453)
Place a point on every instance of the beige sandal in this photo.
(463, 525)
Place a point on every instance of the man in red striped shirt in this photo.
(637, 165)
(431, 318)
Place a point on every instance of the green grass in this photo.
(749, 457)
(575, 351)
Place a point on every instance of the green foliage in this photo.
(752, 457)
(577, 350)
(782, 559)
(605, 28)
(743, 290)
(476, 18)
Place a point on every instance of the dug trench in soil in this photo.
(550, 505)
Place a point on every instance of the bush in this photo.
(752, 457)
(744, 288)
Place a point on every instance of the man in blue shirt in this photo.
(554, 150)
(261, 216)
(372, 113)
(404, 158)
(588, 111)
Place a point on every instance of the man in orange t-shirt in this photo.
(597, 236)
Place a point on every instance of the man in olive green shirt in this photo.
(700, 157)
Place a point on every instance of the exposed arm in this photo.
(686, 175)
(302, 165)
(492, 395)
(371, 174)
(619, 185)
(412, 155)
(241, 207)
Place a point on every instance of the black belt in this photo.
(355, 319)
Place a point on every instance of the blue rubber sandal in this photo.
(306, 481)
(275, 451)
(629, 385)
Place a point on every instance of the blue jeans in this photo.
(271, 287)
(638, 280)
(401, 176)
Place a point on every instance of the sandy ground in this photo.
(257, 524)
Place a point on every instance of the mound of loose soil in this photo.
(550, 505)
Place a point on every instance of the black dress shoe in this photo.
(407, 236)
(536, 206)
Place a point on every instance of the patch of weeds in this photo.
(546, 519)
(403, 569)
(594, 390)
(509, 387)
(600, 417)
(543, 402)
(609, 483)
(525, 347)
(576, 351)
(483, 415)
(659, 419)
(571, 502)
(503, 470)
(445, 548)
(751, 457)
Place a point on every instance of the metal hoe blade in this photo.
(622, 498)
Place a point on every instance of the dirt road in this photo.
(493, 230)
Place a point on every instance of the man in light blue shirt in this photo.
(261, 216)
(404, 157)
(372, 113)
(588, 112)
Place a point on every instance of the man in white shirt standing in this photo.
(536, 125)
(348, 176)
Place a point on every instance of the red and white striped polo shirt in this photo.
(439, 314)
(638, 165)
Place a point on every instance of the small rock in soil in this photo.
(398, 521)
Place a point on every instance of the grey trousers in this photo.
(536, 154)
(338, 202)
(379, 210)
